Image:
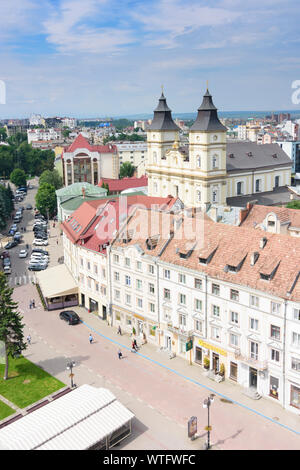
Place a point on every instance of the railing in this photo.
(180, 331)
(256, 363)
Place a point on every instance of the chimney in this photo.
(262, 242)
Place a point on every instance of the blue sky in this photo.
(110, 57)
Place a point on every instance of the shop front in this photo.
(206, 353)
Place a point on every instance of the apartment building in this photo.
(135, 153)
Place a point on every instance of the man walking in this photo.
(29, 339)
(120, 354)
(119, 330)
(33, 303)
(90, 338)
(30, 304)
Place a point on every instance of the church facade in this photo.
(209, 169)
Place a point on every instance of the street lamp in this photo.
(206, 404)
(70, 366)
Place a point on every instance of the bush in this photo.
(206, 362)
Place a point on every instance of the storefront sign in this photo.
(192, 426)
(189, 345)
(139, 317)
(212, 348)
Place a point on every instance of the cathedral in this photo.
(209, 169)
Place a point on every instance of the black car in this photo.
(10, 245)
(37, 267)
(71, 317)
(28, 207)
(40, 236)
(39, 250)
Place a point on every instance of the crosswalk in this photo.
(22, 280)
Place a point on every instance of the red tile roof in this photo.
(82, 143)
(257, 215)
(124, 183)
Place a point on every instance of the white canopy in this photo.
(56, 281)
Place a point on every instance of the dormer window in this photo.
(151, 242)
(207, 254)
(235, 263)
(185, 252)
(268, 271)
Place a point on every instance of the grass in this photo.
(5, 410)
(27, 383)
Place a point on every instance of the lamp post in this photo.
(206, 404)
(70, 366)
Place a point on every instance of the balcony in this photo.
(180, 331)
(252, 362)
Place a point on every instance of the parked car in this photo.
(23, 254)
(7, 270)
(10, 245)
(39, 242)
(71, 317)
(40, 250)
(4, 254)
(6, 262)
(28, 207)
(36, 267)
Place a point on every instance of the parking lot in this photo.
(19, 266)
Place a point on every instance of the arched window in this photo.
(154, 157)
(215, 161)
(215, 195)
(155, 187)
(198, 161)
(239, 188)
(277, 181)
(198, 195)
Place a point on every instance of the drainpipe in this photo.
(206, 313)
(284, 353)
(108, 254)
(158, 304)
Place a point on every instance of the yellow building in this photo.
(208, 169)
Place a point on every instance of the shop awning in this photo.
(56, 281)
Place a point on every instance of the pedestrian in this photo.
(119, 330)
(33, 303)
(30, 304)
(57, 242)
(29, 339)
(133, 347)
(120, 355)
(135, 344)
(90, 338)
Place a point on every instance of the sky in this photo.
(110, 57)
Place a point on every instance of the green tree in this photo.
(6, 205)
(18, 177)
(45, 199)
(293, 205)
(6, 161)
(11, 326)
(3, 134)
(51, 177)
(66, 133)
(126, 170)
(105, 186)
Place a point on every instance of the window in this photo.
(88, 265)
(296, 339)
(215, 333)
(215, 310)
(257, 186)
(103, 273)
(117, 294)
(254, 301)
(182, 319)
(275, 355)
(239, 188)
(139, 265)
(198, 305)
(152, 307)
(198, 283)
(181, 278)
(215, 289)
(198, 195)
(234, 294)
(198, 161)
(95, 269)
(89, 282)
(275, 332)
(167, 274)
(233, 340)
(151, 268)
(296, 313)
(116, 276)
(198, 325)
(127, 262)
(81, 262)
(277, 179)
(274, 385)
(97, 286)
(253, 324)
(295, 364)
(182, 299)
(139, 284)
(295, 396)
(116, 259)
(151, 288)
(275, 308)
(128, 299)
(215, 161)
(254, 350)
(182, 347)
(167, 294)
(234, 317)
(233, 371)
(139, 302)
(215, 195)
(127, 280)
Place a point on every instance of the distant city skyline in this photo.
(100, 57)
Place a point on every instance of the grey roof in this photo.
(162, 119)
(207, 118)
(249, 155)
(276, 197)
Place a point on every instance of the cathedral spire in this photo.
(162, 119)
(207, 118)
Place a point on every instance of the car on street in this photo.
(36, 267)
(40, 236)
(23, 254)
(40, 250)
(40, 257)
(6, 262)
(4, 254)
(10, 245)
(7, 270)
(40, 242)
(69, 316)
(28, 207)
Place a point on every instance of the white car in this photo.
(23, 254)
(40, 242)
(38, 260)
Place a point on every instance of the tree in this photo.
(126, 169)
(45, 199)
(105, 186)
(293, 205)
(51, 177)
(18, 177)
(66, 133)
(11, 326)
(3, 134)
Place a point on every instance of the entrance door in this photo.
(168, 343)
(93, 306)
(216, 362)
(253, 378)
(104, 312)
(140, 327)
(83, 300)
